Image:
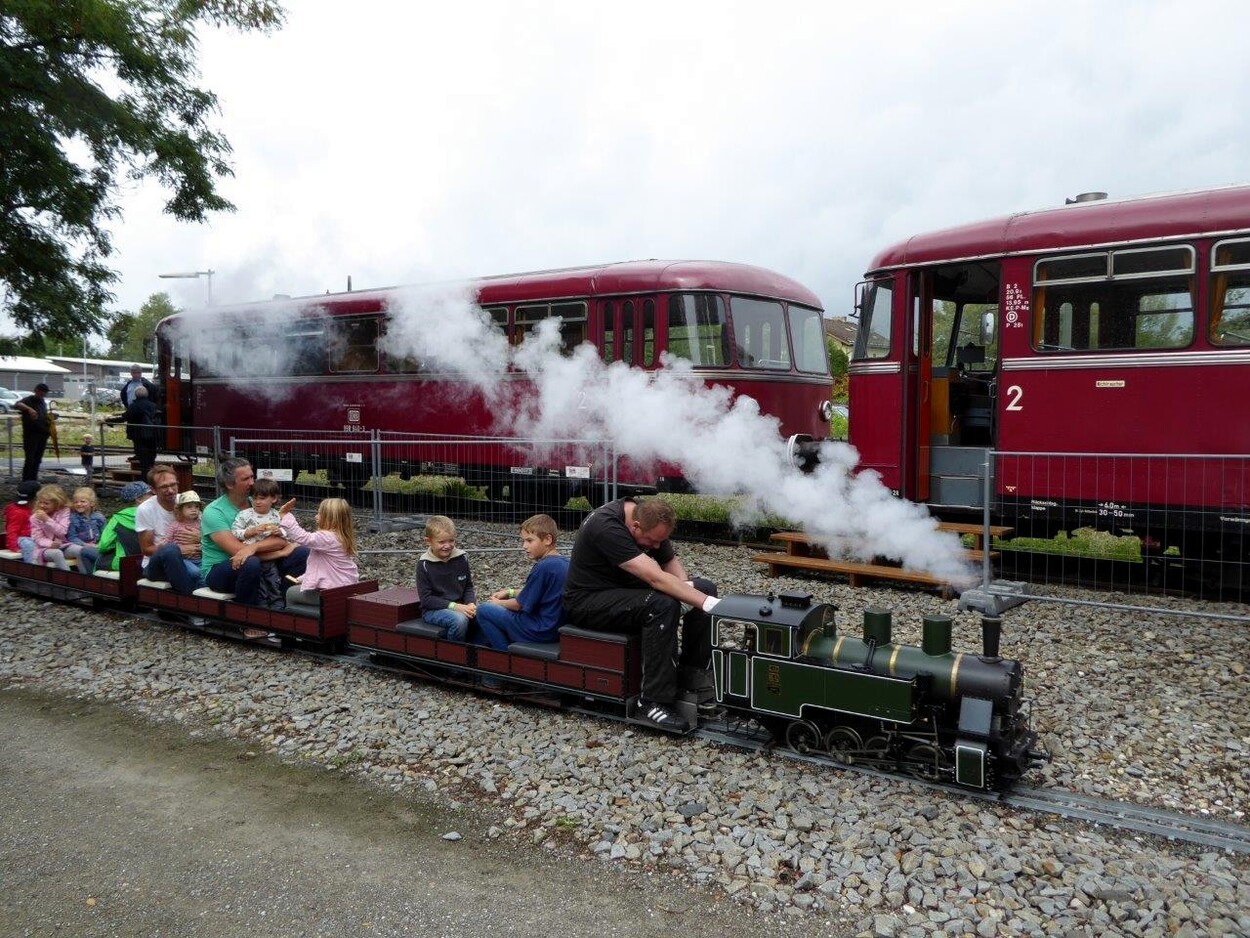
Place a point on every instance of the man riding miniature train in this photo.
(624, 576)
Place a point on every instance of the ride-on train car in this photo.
(1100, 349)
(327, 369)
(778, 661)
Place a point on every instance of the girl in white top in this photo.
(331, 550)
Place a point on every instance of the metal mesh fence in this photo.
(1139, 525)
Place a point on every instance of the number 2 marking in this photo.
(1015, 394)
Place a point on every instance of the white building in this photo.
(22, 373)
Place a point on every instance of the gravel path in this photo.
(1147, 707)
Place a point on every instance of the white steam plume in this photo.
(722, 444)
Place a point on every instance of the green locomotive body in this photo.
(937, 714)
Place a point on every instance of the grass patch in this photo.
(1083, 542)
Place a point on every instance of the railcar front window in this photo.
(807, 329)
(873, 338)
(697, 329)
(759, 329)
(1114, 301)
(1230, 294)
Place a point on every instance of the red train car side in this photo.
(1100, 349)
(324, 365)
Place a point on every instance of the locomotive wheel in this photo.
(877, 747)
(924, 761)
(842, 742)
(803, 736)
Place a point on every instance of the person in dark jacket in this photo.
(444, 583)
(141, 429)
(136, 381)
(36, 428)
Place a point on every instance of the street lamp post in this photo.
(194, 275)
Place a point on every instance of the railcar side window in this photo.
(873, 339)
(759, 329)
(627, 332)
(1230, 293)
(1115, 300)
(572, 322)
(696, 329)
(301, 351)
(353, 345)
(808, 332)
(609, 333)
(648, 333)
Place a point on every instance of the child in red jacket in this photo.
(17, 515)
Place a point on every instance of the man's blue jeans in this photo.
(245, 581)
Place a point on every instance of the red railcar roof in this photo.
(647, 276)
(1098, 223)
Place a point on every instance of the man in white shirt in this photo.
(177, 562)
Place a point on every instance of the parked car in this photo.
(8, 399)
(104, 395)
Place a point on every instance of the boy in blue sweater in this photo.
(536, 613)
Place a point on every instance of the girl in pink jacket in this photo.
(331, 550)
(49, 525)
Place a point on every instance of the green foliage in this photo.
(839, 362)
(839, 368)
(1083, 542)
(130, 331)
(95, 93)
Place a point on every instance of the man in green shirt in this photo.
(227, 565)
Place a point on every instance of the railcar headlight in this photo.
(825, 409)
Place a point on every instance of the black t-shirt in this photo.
(603, 543)
(38, 423)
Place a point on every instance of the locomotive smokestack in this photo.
(991, 637)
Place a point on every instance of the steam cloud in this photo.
(723, 445)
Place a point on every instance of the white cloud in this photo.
(413, 143)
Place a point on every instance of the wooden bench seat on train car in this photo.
(374, 620)
(612, 661)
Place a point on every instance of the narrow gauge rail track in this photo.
(1173, 826)
(1120, 815)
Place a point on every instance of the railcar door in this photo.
(177, 399)
(917, 387)
(961, 306)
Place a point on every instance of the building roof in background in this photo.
(107, 362)
(32, 365)
(841, 330)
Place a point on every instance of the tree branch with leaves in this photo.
(92, 93)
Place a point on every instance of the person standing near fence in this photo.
(141, 428)
(36, 428)
(136, 381)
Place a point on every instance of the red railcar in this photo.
(322, 366)
(1101, 349)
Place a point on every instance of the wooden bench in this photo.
(977, 531)
(855, 571)
(803, 553)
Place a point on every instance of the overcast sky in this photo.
(401, 143)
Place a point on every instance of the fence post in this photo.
(217, 458)
(10, 423)
(987, 542)
(376, 459)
